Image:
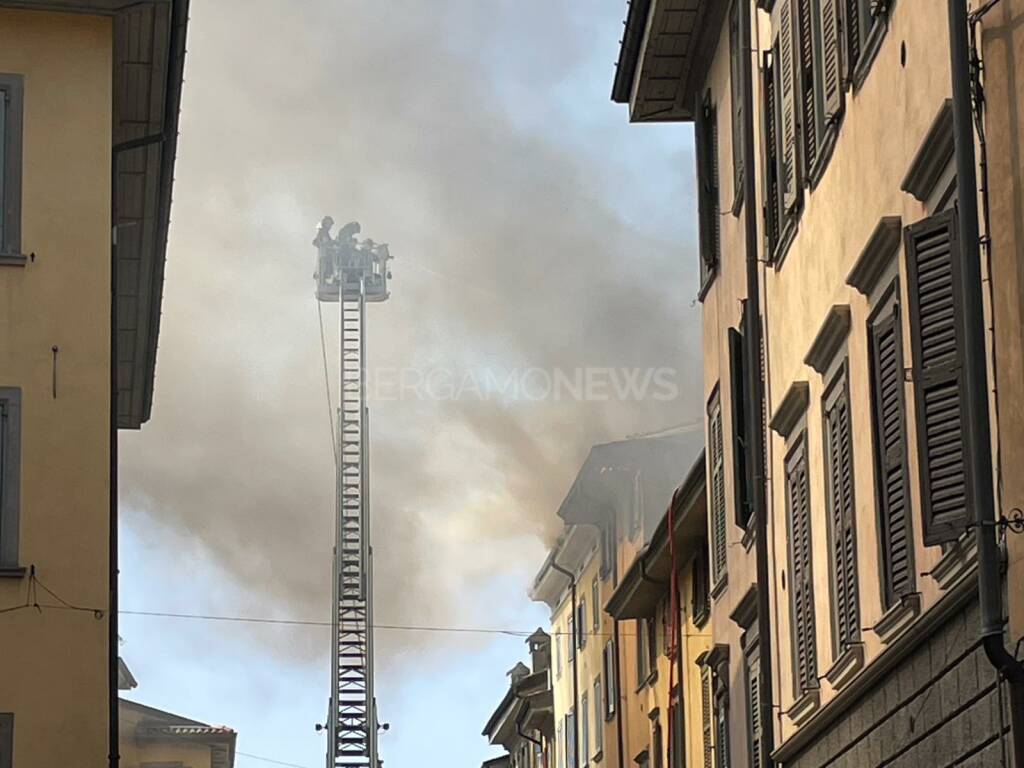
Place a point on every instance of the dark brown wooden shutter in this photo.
(772, 202)
(890, 455)
(706, 143)
(705, 713)
(831, 70)
(721, 724)
(739, 396)
(788, 102)
(839, 456)
(808, 88)
(754, 708)
(717, 491)
(737, 57)
(802, 581)
(701, 597)
(935, 290)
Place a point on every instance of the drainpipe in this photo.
(575, 664)
(990, 586)
(618, 698)
(755, 388)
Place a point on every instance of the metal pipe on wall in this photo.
(979, 455)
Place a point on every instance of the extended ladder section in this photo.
(354, 732)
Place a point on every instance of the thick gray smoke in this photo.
(444, 128)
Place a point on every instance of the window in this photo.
(611, 693)
(10, 474)
(581, 624)
(599, 715)
(11, 110)
(737, 60)
(571, 634)
(584, 730)
(888, 419)
(708, 208)
(607, 549)
(706, 707)
(721, 720)
(651, 625)
(863, 21)
(699, 581)
(840, 500)
(801, 587)
(643, 667)
(559, 746)
(557, 640)
(677, 733)
(570, 739)
(657, 745)
(753, 685)
(6, 739)
(595, 598)
(739, 396)
(935, 292)
(716, 491)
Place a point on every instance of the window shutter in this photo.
(935, 288)
(754, 708)
(832, 75)
(721, 730)
(717, 491)
(839, 455)
(790, 175)
(772, 201)
(801, 588)
(852, 18)
(705, 713)
(706, 141)
(890, 455)
(737, 57)
(808, 93)
(739, 396)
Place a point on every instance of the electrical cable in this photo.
(327, 384)
(268, 760)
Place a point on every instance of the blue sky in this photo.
(532, 226)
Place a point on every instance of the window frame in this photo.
(581, 624)
(584, 729)
(12, 92)
(798, 452)
(6, 739)
(611, 691)
(888, 305)
(717, 514)
(10, 477)
(599, 716)
(595, 597)
(709, 193)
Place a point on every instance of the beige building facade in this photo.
(81, 167)
(827, 182)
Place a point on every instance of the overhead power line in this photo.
(269, 760)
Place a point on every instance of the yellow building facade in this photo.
(845, 570)
(76, 363)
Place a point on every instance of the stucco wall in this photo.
(54, 665)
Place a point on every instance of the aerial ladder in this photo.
(351, 273)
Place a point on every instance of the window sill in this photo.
(805, 706)
(958, 561)
(598, 756)
(786, 238)
(706, 285)
(749, 534)
(828, 145)
(846, 667)
(899, 617)
(648, 681)
(12, 572)
(719, 588)
(13, 260)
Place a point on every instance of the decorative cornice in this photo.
(932, 156)
(956, 562)
(830, 337)
(717, 656)
(871, 264)
(792, 407)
